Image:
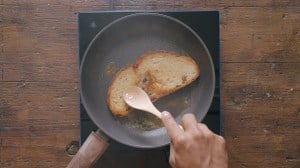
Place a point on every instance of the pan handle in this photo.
(91, 150)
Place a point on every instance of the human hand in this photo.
(194, 146)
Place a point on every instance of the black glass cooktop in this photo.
(204, 23)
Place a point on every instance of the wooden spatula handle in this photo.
(91, 150)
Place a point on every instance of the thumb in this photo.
(171, 125)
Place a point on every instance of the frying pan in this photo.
(120, 43)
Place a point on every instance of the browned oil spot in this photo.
(110, 69)
(186, 102)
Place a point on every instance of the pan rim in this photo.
(84, 99)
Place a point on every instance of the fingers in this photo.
(204, 129)
(171, 125)
(189, 122)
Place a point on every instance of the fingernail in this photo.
(165, 114)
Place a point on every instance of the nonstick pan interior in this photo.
(121, 43)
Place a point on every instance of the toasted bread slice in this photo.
(124, 78)
(162, 72)
(159, 73)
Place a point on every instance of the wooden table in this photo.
(39, 111)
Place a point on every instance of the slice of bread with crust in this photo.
(159, 73)
(162, 72)
(124, 78)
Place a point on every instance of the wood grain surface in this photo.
(39, 111)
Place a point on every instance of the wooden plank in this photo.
(250, 3)
(29, 103)
(39, 46)
(1, 72)
(287, 74)
(268, 17)
(261, 124)
(248, 37)
(241, 124)
(37, 121)
(261, 151)
(35, 34)
(154, 5)
(39, 135)
(192, 4)
(40, 72)
(37, 146)
(272, 100)
(23, 157)
(261, 114)
(92, 4)
(257, 110)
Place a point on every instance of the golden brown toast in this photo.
(159, 73)
(124, 78)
